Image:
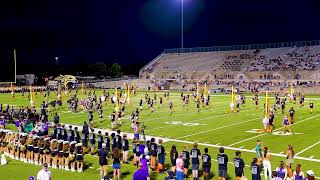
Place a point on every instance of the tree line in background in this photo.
(99, 69)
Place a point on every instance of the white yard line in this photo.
(247, 139)
(221, 127)
(308, 148)
(254, 137)
(183, 114)
(197, 120)
(243, 150)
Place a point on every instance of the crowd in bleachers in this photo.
(277, 59)
(297, 59)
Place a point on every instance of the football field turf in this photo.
(212, 128)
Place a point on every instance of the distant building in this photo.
(27, 79)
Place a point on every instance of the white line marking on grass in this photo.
(311, 157)
(281, 152)
(91, 167)
(243, 150)
(241, 147)
(308, 148)
(221, 127)
(218, 144)
(176, 115)
(254, 137)
(183, 114)
(201, 119)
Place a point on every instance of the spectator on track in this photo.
(141, 174)
(266, 163)
(179, 168)
(290, 155)
(44, 173)
(238, 165)
(281, 171)
(161, 156)
(195, 155)
(103, 161)
(223, 164)
(255, 169)
(116, 163)
(173, 157)
(298, 174)
(206, 164)
(186, 159)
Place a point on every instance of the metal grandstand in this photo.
(232, 48)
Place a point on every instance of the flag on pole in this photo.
(117, 100)
(267, 107)
(291, 89)
(31, 97)
(65, 86)
(128, 94)
(12, 88)
(233, 96)
(198, 90)
(82, 87)
(206, 90)
(233, 100)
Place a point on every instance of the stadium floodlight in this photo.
(182, 2)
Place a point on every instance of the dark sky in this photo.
(130, 31)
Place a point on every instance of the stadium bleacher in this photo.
(215, 64)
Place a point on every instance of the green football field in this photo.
(212, 128)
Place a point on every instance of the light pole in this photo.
(182, 26)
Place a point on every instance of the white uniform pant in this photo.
(267, 169)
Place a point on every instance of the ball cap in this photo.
(310, 173)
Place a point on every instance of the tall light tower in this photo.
(182, 26)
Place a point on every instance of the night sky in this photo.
(135, 31)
